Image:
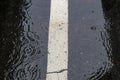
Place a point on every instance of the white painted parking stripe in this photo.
(58, 41)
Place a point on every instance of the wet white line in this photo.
(58, 41)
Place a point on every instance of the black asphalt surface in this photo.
(93, 39)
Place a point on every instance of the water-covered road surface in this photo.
(93, 40)
(24, 39)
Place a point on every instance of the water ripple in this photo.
(97, 75)
(22, 63)
(26, 72)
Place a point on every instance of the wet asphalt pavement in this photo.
(93, 39)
